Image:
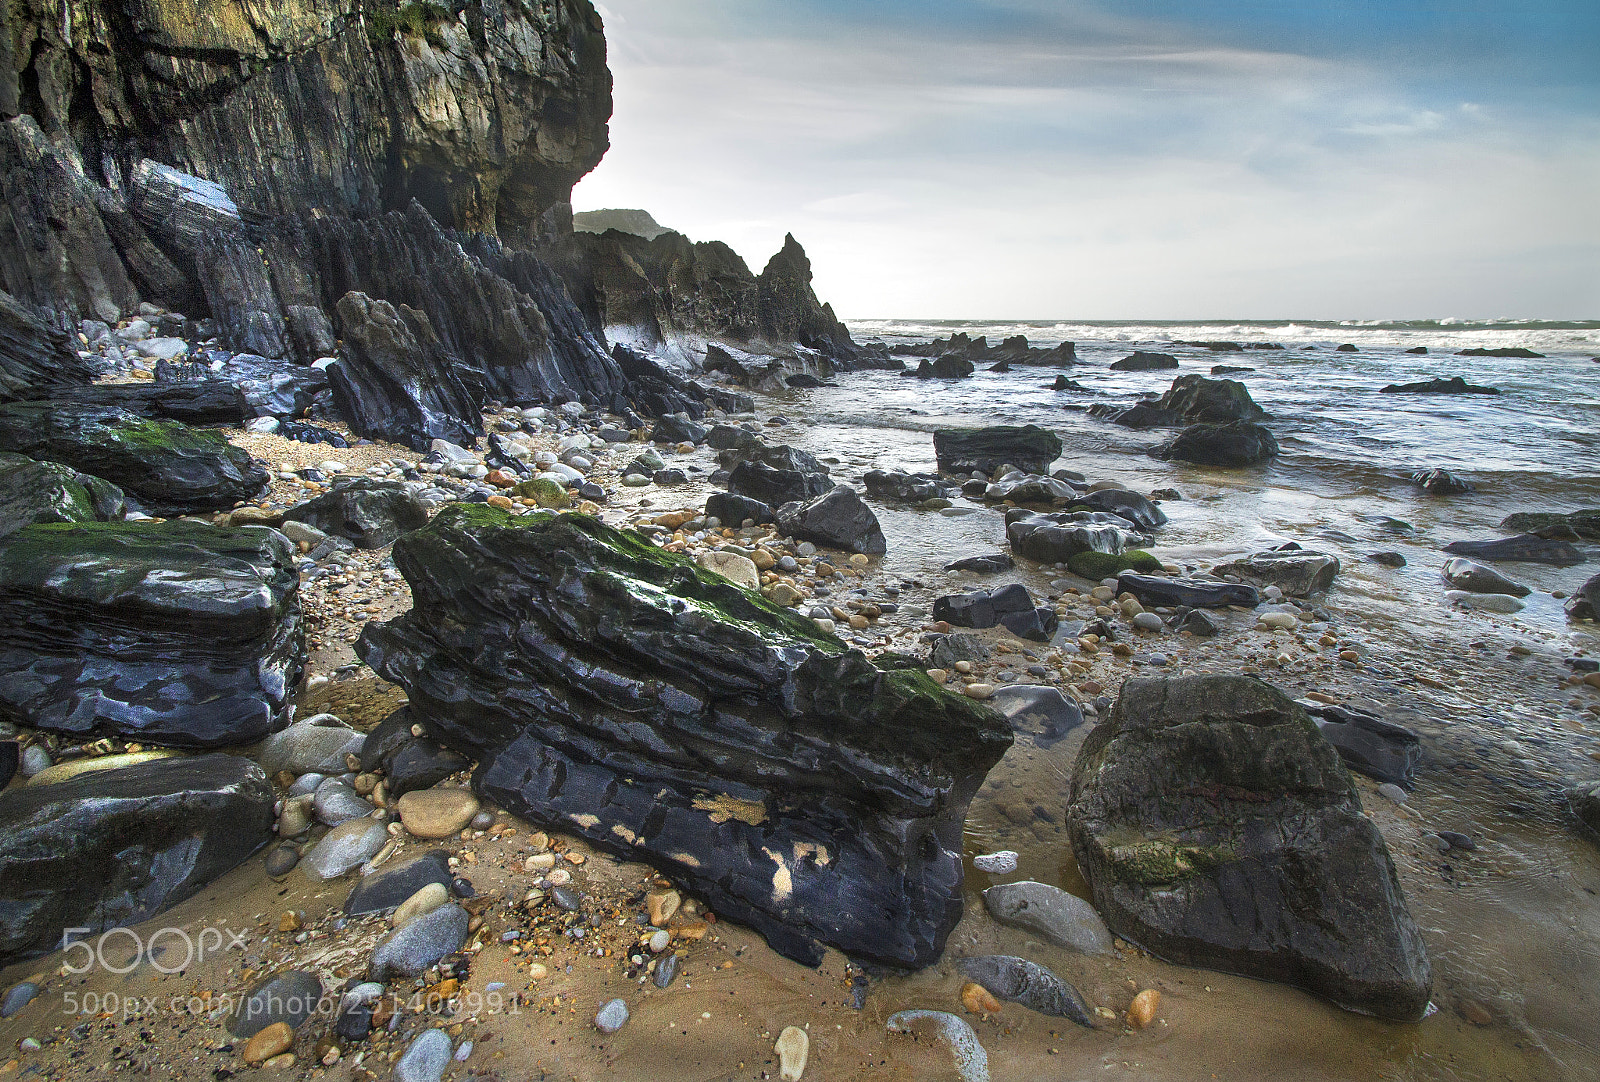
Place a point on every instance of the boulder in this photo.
(36, 359)
(1498, 351)
(911, 487)
(1441, 483)
(1453, 385)
(1238, 443)
(1031, 489)
(388, 887)
(1140, 361)
(113, 847)
(170, 468)
(316, 745)
(1139, 415)
(1212, 401)
(1584, 604)
(1035, 710)
(732, 510)
(984, 450)
(369, 513)
(1124, 504)
(776, 487)
(838, 519)
(666, 716)
(1524, 548)
(677, 428)
(1367, 743)
(1578, 525)
(1297, 572)
(1218, 828)
(1464, 574)
(1153, 590)
(50, 492)
(950, 366)
(982, 565)
(192, 402)
(1059, 536)
(170, 633)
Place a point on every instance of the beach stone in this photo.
(739, 570)
(1029, 447)
(666, 970)
(1440, 483)
(1235, 444)
(424, 901)
(1367, 743)
(1064, 919)
(1287, 880)
(982, 565)
(1153, 591)
(612, 1017)
(998, 863)
(18, 996)
(793, 1049)
(1057, 537)
(370, 514)
(1043, 713)
(1017, 980)
(566, 898)
(306, 784)
(428, 938)
(425, 1058)
(1142, 1011)
(296, 817)
(661, 905)
(307, 748)
(1524, 548)
(271, 1041)
(390, 887)
(335, 803)
(436, 813)
(1464, 574)
(1387, 559)
(1390, 791)
(418, 763)
(660, 941)
(281, 859)
(288, 998)
(1297, 572)
(1148, 621)
(839, 519)
(1199, 623)
(35, 761)
(1501, 603)
(347, 846)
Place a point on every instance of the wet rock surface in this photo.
(1367, 743)
(1064, 919)
(1524, 548)
(1195, 593)
(174, 633)
(1297, 572)
(1216, 827)
(50, 492)
(984, 450)
(1017, 980)
(838, 519)
(673, 718)
(153, 834)
(369, 513)
(1237, 443)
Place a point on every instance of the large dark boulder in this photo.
(1124, 504)
(1210, 401)
(1524, 548)
(1140, 361)
(370, 513)
(732, 510)
(838, 519)
(1218, 828)
(776, 487)
(1297, 572)
(950, 366)
(1584, 604)
(167, 633)
(1367, 743)
(1057, 537)
(1438, 482)
(1453, 385)
(1153, 590)
(169, 468)
(1238, 443)
(1576, 526)
(1499, 351)
(36, 359)
(110, 848)
(984, 450)
(50, 492)
(615, 691)
(194, 402)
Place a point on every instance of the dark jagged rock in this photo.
(616, 691)
(1214, 347)
(983, 565)
(1453, 385)
(304, 433)
(1367, 743)
(789, 310)
(1499, 351)
(912, 487)
(974, 610)
(778, 456)
(1210, 401)
(173, 633)
(984, 450)
(1421, 351)
(776, 487)
(1199, 623)
(1058, 537)
(1238, 443)
(1062, 383)
(1580, 525)
(196, 402)
(420, 764)
(838, 519)
(385, 889)
(1013, 350)
(1138, 415)
(732, 510)
(1153, 590)
(168, 467)
(1140, 361)
(1217, 828)
(370, 513)
(50, 492)
(113, 847)
(731, 438)
(1043, 713)
(36, 359)
(1229, 370)
(1017, 980)
(1297, 572)
(389, 735)
(1584, 604)
(950, 366)
(1524, 548)
(1441, 483)
(1124, 504)
(677, 428)
(1387, 559)
(1347, 347)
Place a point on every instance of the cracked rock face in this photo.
(1218, 828)
(616, 691)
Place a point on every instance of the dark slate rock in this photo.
(1463, 574)
(36, 359)
(420, 764)
(1441, 483)
(1297, 572)
(1124, 504)
(775, 487)
(625, 684)
(1367, 743)
(1238, 443)
(731, 437)
(984, 450)
(1199, 623)
(732, 510)
(1387, 559)
(18, 996)
(1041, 712)
(1140, 361)
(1584, 604)
(168, 467)
(387, 736)
(1453, 385)
(1579, 525)
(1584, 800)
(1013, 597)
(171, 633)
(386, 888)
(912, 487)
(1058, 537)
(983, 565)
(1524, 548)
(677, 428)
(1229, 370)
(420, 944)
(1153, 590)
(1138, 415)
(289, 997)
(114, 847)
(950, 366)
(949, 649)
(369, 513)
(1498, 351)
(50, 492)
(1212, 401)
(205, 401)
(1218, 828)
(670, 477)
(1037, 624)
(966, 610)
(10, 760)
(1017, 980)
(839, 519)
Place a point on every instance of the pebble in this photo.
(17, 997)
(1456, 840)
(34, 759)
(661, 905)
(1147, 621)
(1390, 791)
(464, 1053)
(272, 1041)
(281, 859)
(335, 803)
(1280, 620)
(1064, 919)
(289, 998)
(972, 1062)
(660, 940)
(420, 904)
(979, 691)
(666, 969)
(996, 863)
(793, 1049)
(424, 941)
(436, 813)
(978, 1000)
(567, 898)
(426, 1059)
(346, 846)
(612, 1017)
(1143, 1009)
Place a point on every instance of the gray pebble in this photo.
(17, 997)
(281, 859)
(567, 898)
(421, 943)
(289, 997)
(1018, 980)
(426, 1059)
(1064, 919)
(346, 846)
(612, 1017)
(1390, 791)
(335, 803)
(306, 783)
(666, 970)
(34, 759)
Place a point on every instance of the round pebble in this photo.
(1147, 621)
(659, 941)
(612, 1017)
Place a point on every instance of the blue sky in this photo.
(1133, 159)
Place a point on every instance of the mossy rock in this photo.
(50, 492)
(1104, 565)
(549, 494)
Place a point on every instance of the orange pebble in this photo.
(1143, 1009)
(977, 999)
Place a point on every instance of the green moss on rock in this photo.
(1104, 565)
(548, 493)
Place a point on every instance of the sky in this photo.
(1125, 159)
